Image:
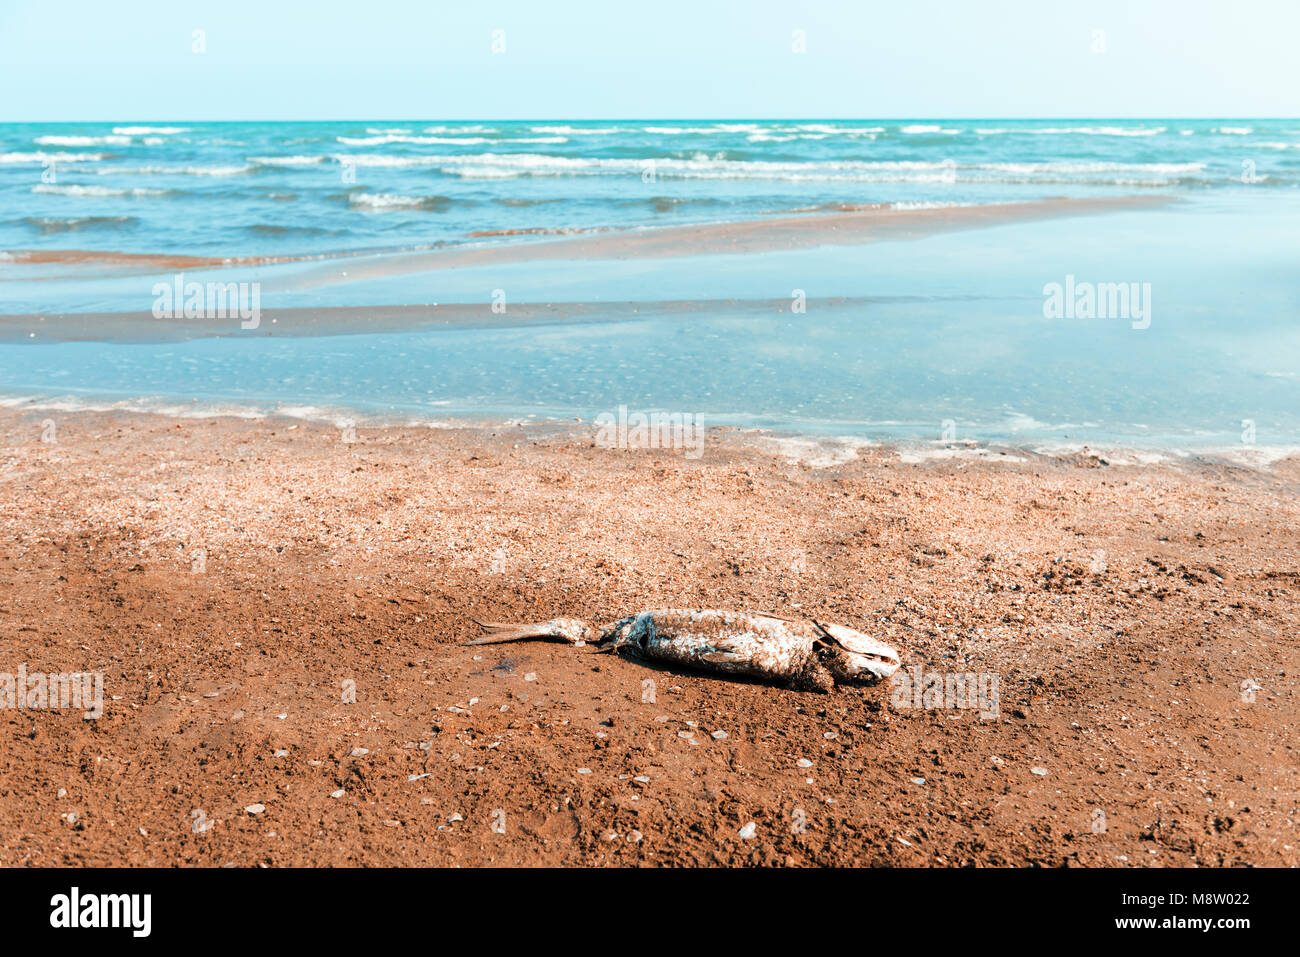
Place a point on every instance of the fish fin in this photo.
(720, 657)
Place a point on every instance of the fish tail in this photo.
(571, 630)
(498, 632)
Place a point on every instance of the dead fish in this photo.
(801, 654)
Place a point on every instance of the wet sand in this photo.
(1120, 607)
(861, 225)
(142, 327)
(750, 236)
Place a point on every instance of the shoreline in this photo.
(823, 442)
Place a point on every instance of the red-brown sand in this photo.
(278, 616)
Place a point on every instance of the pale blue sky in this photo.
(88, 60)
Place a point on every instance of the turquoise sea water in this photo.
(237, 189)
(900, 339)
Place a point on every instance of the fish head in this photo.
(859, 656)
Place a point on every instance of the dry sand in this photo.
(1120, 607)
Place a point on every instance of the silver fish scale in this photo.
(728, 642)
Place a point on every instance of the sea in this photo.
(952, 333)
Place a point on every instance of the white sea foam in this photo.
(43, 157)
(287, 160)
(1065, 167)
(921, 204)
(142, 130)
(72, 189)
(1258, 456)
(154, 406)
(704, 166)
(382, 159)
(451, 129)
(580, 130)
(485, 172)
(1075, 130)
(305, 412)
(398, 138)
(838, 130)
(701, 130)
(82, 140)
(1252, 456)
(1233, 130)
(177, 170)
(819, 453)
(787, 134)
(697, 130)
(756, 132)
(383, 201)
(446, 140)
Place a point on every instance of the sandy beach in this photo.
(278, 608)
